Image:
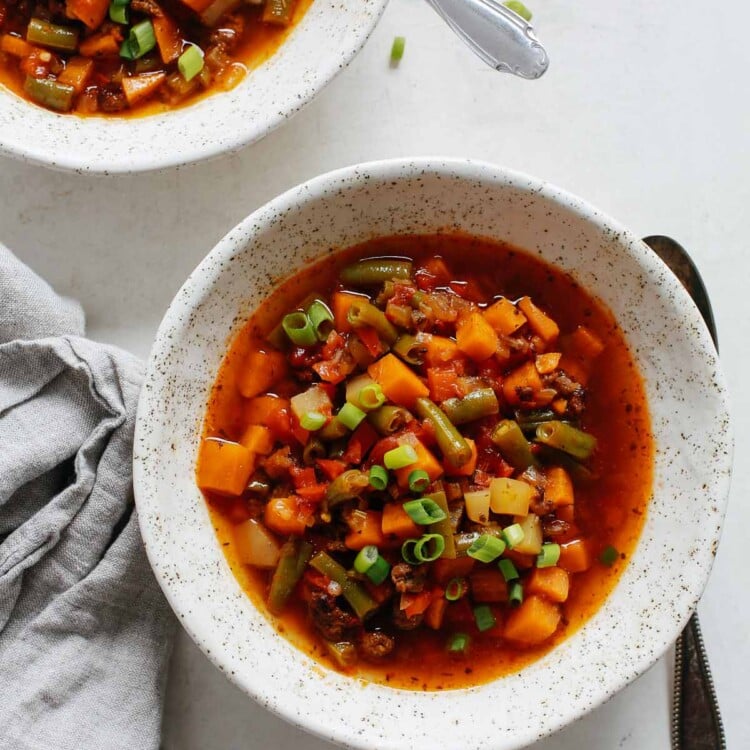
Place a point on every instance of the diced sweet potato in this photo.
(223, 467)
(551, 583)
(575, 556)
(533, 622)
(558, 489)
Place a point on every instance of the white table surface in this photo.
(643, 112)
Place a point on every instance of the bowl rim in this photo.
(120, 159)
(468, 169)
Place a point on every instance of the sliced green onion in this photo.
(366, 558)
(515, 593)
(429, 547)
(419, 480)
(513, 535)
(549, 556)
(312, 420)
(321, 319)
(508, 569)
(424, 511)
(190, 62)
(484, 618)
(408, 552)
(141, 40)
(371, 397)
(458, 643)
(379, 571)
(456, 588)
(118, 12)
(378, 477)
(350, 416)
(397, 49)
(299, 329)
(398, 458)
(518, 7)
(486, 549)
(609, 555)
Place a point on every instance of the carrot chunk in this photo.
(167, 38)
(340, 304)
(533, 622)
(551, 583)
(547, 363)
(260, 371)
(223, 466)
(261, 410)
(399, 383)
(542, 325)
(504, 317)
(558, 489)
(106, 44)
(425, 460)
(442, 382)
(141, 87)
(369, 532)
(284, 516)
(14, 45)
(522, 385)
(575, 556)
(77, 72)
(476, 337)
(91, 12)
(435, 613)
(439, 350)
(397, 523)
(257, 439)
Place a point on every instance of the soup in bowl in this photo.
(416, 440)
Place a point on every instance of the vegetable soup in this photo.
(428, 459)
(146, 56)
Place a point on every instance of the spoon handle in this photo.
(500, 37)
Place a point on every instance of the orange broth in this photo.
(611, 510)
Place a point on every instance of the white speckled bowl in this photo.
(322, 44)
(687, 398)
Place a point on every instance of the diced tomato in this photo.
(362, 439)
(415, 604)
(334, 343)
(330, 467)
(442, 383)
(313, 493)
(469, 290)
(369, 337)
(303, 477)
(300, 434)
(381, 448)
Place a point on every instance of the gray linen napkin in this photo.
(85, 633)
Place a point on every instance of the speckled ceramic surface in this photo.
(322, 44)
(690, 419)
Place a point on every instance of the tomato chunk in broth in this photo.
(428, 459)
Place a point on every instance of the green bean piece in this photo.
(313, 450)
(475, 405)
(362, 603)
(579, 473)
(410, 348)
(52, 35)
(513, 445)
(443, 527)
(364, 313)
(334, 430)
(346, 486)
(566, 438)
(450, 441)
(295, 554)
(57, 96)
(528, 421)
(343, 653)
(376, 271)
(462, 542)
(389, 419)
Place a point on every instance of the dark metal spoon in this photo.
(696, 720)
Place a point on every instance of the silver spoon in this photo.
(696, 720)
(500, 37)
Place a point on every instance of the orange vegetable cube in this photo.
(547, 363)
(77, 73)
(258, 439)
(260, 371)
(440, 350)
(370, 532)
(551, 583)
(425, 460)
(197, 5)
(476, 337)
(504, 317)
(558, 489)
(284, 516)
(442, 382)
(262, 409)
(400, 384)
(340, 304)
(539, 322)
(91, 12)
(140, 87)
(14, 45)
(519, 381)
(397, 523)
(575, 556)
(101, 45)
(433, 616)
(467, 469)
(585, 343)
(575, 368)
(167, 38)
(223, 466)
(533, 622)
